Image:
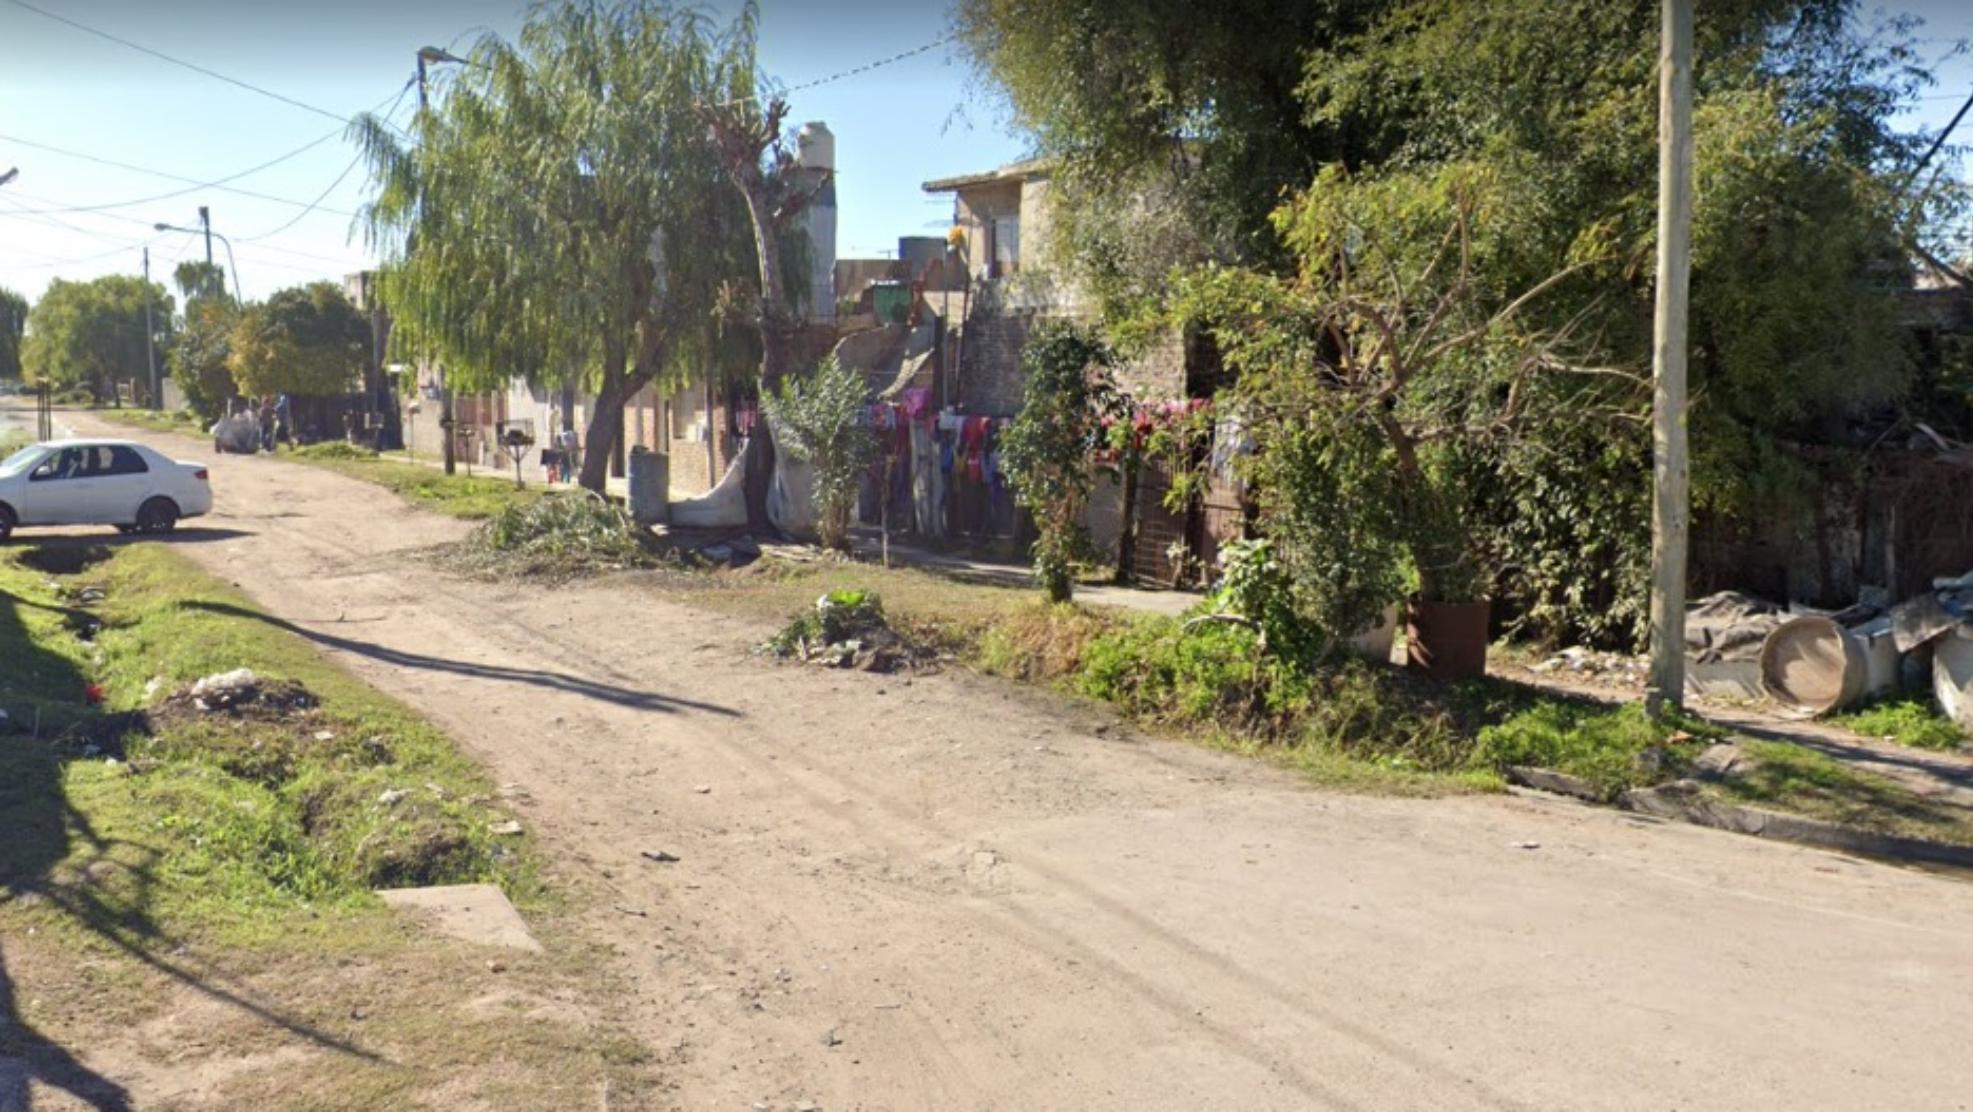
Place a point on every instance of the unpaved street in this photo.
(953, 893)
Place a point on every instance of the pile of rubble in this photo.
(847, 629)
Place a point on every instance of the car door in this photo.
(51, 490)
(120, 481)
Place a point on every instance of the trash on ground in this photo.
(224, 689)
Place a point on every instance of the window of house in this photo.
(1005, 238)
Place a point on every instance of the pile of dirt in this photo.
(253, 728)
(847, 629)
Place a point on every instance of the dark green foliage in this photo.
(1174, 132)
(199, 356)
(1046, 449)
(13, 324)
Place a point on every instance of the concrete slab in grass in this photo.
(476, 913)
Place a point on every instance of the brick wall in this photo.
(990, 378)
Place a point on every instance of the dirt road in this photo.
(951, 893)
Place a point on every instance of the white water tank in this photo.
(815, 153)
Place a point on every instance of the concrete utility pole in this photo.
(150, 337)
(1671, 497)
(205, 221)
(451, 451)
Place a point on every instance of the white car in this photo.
(100, 482)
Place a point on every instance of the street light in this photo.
(229, 252)
(10, 175)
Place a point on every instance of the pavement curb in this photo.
(1682, 800)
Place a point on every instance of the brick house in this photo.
(1002, 282)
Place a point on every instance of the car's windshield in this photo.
(20, 461)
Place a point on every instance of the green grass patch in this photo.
(1613, 748)
(13, 440)
(472, 497)
(1791, 778)
(1912, 722)
(182, 421)
(333, 449)
(120, 798)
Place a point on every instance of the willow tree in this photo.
(760, 160)
(559, 212)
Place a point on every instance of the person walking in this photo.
(571, 445)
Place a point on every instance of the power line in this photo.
(148, 225)
(303, 149)
(196, 183)
(840, 75)
(316, 203)
(193, 66)
(90, 258)
(392, 101)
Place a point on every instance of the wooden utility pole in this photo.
(1671, 498)
(151, 337)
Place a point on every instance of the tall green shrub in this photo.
(1046, 450)
(821, 420)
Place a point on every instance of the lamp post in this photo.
(10, 175)
(433, 55)
(210, 236)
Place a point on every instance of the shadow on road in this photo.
(51, 856)
(629, 697)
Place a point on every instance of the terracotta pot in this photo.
(1447, 640)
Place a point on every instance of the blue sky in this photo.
(895, 127)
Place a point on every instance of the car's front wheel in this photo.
(159, 515)
(7, 521)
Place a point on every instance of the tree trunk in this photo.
(605, 421)
(776, 350)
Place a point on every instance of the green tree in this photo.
(1046, 449)
(199, 355)
(1548, 109)
(13, 325)
(821, 419)
(1172, 128)
(563, 215)
(307, 341)
(90, 335)
(199, 280)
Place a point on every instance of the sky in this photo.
(65, 93)
(896, 126)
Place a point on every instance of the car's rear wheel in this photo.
(7, 521)
(159, 515)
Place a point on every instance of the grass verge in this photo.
(1912, 722)
(186, 892)
(471, 497)
(1790, 778)
(182, 421)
